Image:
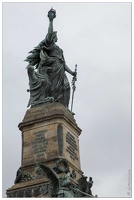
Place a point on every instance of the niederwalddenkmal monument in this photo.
(50, 160)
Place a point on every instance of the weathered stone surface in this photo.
(46, 113)
(43, 139)
(49, 132)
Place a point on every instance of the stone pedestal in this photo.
(49, 134)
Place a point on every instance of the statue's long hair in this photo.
(34, 57)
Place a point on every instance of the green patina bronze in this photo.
(46, 70)
(64, 188)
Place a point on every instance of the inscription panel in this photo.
(40, 143)
(72, 146)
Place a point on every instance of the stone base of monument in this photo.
(50, 136)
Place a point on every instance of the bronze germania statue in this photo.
(46, 70)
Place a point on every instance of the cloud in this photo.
(97, 37)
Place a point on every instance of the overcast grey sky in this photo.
(96, 37)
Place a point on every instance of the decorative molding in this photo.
(20, 193)
(58, 168)
(73, 175)
(36, 191)
(44, 189)
(60, 139)
(28, 192)
(27, 177)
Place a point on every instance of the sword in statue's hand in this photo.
(73, 85)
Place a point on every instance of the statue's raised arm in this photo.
(51, 16)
